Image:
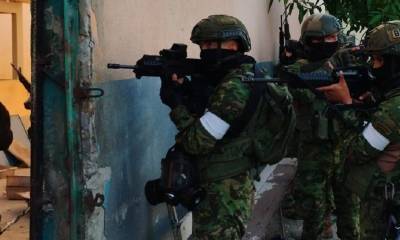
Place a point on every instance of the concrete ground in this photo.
(278, 226)
(12, 211)
(266, 222)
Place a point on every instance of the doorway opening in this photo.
(15, 45)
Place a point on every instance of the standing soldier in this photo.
(319, 171)
(6, 135)
(222, 138)
(373, 153)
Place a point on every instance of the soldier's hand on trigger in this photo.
(338, 92)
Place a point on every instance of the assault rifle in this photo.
(22, 79)
(173, 60)
(27, 85)
(358, 78)
(287, 45)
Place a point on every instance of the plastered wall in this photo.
(124, 30)
(5, 46)
(12, 93)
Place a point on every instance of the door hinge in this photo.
(92, 202)
(85, 93)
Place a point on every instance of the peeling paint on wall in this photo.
(94, 229)
(95, 176)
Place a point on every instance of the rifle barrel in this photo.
(22, 79)
(119, 66)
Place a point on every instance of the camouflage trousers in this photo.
(225, 210)
(317, 189)
(376, 209)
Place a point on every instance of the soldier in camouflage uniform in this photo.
(374, 151)
(319, 172)
(6, 135)
(224, 153)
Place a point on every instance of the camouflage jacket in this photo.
(218, 154)
(6, 135)
(227, 102)
(382, 130)
(312, 118)
(378, 142)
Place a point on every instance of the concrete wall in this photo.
(5, 46)
(26, 40)
(12, 94)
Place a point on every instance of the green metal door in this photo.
(56, 169)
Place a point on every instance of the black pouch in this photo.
(320, 126)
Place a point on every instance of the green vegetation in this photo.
(357, 14)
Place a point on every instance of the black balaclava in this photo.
(387, 76)
(217, 62)
(321, 50)
(215, 56)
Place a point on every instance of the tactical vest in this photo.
(262, 140)
(312, 121)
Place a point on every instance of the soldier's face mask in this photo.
(321, 50)
(380, 70)
(213, 52)
(214, 56)
(386, 70)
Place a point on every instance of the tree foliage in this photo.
(357, 14)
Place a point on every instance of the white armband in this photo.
(214, 125)
(375, 138)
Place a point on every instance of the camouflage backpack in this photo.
(274, 111)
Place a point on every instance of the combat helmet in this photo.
(319, 25)
(384, 39)
(221, 28)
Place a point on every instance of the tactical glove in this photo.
(171, 94)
